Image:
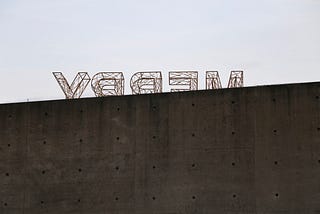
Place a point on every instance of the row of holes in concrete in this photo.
(153, 167)
(154, 107)
(154, 137)
(153, 198)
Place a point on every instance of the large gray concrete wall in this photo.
(248, 150)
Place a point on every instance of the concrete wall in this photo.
(248, 150)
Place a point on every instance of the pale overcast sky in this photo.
(273, 41)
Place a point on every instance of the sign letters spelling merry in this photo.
(112, 83)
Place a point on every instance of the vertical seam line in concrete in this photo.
(25, 163)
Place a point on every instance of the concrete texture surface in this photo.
(245, 150)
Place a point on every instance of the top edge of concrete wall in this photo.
(201, 91)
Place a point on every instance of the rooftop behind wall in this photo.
(245, 150)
